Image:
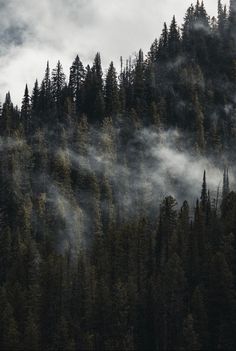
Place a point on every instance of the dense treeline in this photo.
(187, 80)
(87, 260)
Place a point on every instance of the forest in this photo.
(118, 199)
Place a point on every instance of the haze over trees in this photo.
(96, 252)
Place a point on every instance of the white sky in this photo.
(33, 31)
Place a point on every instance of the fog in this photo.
(33, 32)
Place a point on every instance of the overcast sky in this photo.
(33, 31)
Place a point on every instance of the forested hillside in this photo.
(112, 234)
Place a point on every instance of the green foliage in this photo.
(82, 267)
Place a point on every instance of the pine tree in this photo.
(162, 53)
(98, 87)
(97, 72)
(76, 81)
(222, 18)
(58, 82)
(94, 105)
(138, 83)
(7, 116)
(201, 14)
(47, 86)
(167, 223)
(25, 110)
(47, 79)
(187, 30)
(35, 98)
(111, 92)
(225, 190)
(153, 52)
(45, 96)
(204, 194)
(173, 40)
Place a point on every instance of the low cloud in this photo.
(33, 32)
(166, 166)
(151, 166)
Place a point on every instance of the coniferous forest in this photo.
(105, 243)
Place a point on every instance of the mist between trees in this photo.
(132, 178)
(117, 201)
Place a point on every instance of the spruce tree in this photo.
(162, 53)
(173, 40)
(111, 92)
(35, 98)
(58, 82)
(76, 81)
(25, 110)
(7, 116)
(204, 194)
(222, 18)
(225, 189)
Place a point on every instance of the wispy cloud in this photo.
(34, 31)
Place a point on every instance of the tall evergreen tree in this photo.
(25, 110)
(138, 83)
(204, 194)
(173, 40)
(111, 92)
(225, 190)
(77, 76)
(58, 82)
(222, 18)
(35, 98)
(7, 121)
(167, 222)
(163, 44)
